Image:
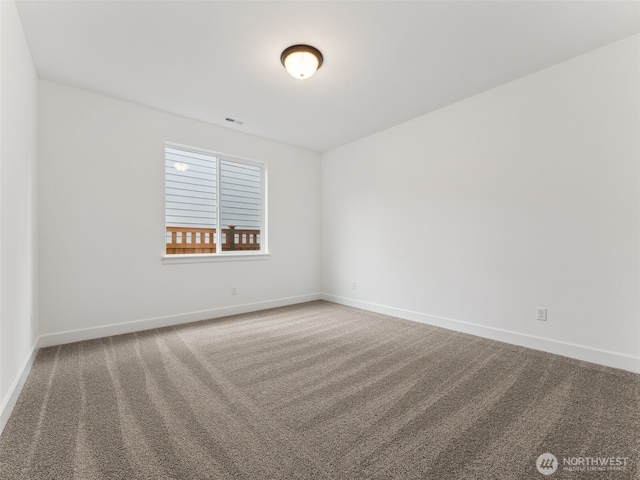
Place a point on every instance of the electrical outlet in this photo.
(354, 285)
(541, 314)
(234, 291)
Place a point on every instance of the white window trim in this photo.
(224, 256)
(213, 257)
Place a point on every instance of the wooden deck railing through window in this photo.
(181, 240)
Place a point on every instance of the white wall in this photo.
(18, 200)
(526, 195)
(102, 221)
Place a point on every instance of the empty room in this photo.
(319, 239)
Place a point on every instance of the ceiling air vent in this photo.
(233, 120)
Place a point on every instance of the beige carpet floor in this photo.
(316, 391)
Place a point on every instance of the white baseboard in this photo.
(579, 352)
(71, 336)
(16, 387)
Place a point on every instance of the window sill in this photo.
(212, 257)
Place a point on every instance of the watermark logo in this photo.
(547, 463)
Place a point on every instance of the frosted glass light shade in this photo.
(301, 61)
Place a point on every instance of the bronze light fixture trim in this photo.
(301, 61)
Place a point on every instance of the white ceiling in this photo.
(384, 62)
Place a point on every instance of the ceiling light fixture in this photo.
(301, 61)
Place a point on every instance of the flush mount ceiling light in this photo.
(301, 61)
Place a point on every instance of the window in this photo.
(214, 203)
